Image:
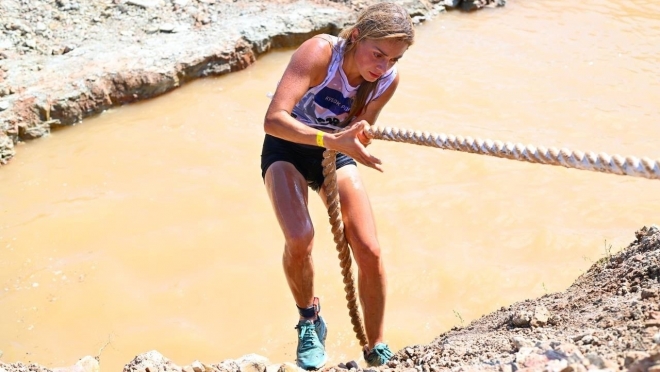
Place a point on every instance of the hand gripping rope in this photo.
(630, 166)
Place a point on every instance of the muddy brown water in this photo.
(148, 227)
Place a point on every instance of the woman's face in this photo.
(374, 57)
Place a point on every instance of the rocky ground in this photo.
(64, 60)
(608, 320)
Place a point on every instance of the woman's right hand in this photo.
(348, 142)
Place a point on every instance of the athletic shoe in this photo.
(321, 329)
(310, 352)
(378, 356)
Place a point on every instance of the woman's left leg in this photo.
(360, 231)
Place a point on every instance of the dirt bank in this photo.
(609, 319)
(64, 60)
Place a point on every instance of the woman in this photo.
(331, 84)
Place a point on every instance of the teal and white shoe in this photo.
(310, 353)
(321, 329)
(377, 356)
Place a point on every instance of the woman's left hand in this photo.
(353, 142)
(361, 134)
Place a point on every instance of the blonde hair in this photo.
(377, 22)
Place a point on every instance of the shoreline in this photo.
(69, 60)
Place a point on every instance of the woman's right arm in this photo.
(308, 67)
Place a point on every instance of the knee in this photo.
(367, 256)
(299, 244)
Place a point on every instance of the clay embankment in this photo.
(64, 60)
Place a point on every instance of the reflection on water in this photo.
(148, 227)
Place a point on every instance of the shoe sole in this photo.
(311, 368)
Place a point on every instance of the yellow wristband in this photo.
(319, 138)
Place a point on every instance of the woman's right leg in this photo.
(287, 189)
(288, 193)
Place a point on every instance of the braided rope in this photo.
(616, 164)
(602, 162)
(334, 211)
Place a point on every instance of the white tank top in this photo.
(327, 104)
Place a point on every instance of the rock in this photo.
(574, 367)
(40, 27)
(151, 361)
(652, 323)
(556, 365)
(197, 366)
(588, 339)
(6, 148)
(633, 356)
(146, 4)
(520, 342)
(273, 367)
(521, 318)
(523, 353)
(506, 367)
(581, 336)
(4, 105)
(596, 360)
(89, 364)
(227, 366)
(289, 367)
(541, 316)
(5, 43)
(167, 27)
(253, 367)
(641, 365)
(648, 293)
(85, 364)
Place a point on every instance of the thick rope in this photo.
(334, 211)
(616, 164)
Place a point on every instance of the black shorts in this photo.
(307, 159)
